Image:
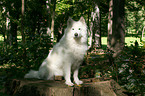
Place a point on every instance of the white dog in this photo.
(67, 54)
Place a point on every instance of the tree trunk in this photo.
(8, 29)
(22, 32)
(143, 32)
(90, 31)
(91, 87)
(14, 14)
(110, 22)
(95, 25)
(53, 19)
(48, 17)
(22, 24)
(4, 27)
(13, 34)
(116, 37)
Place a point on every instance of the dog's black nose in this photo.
(76, 34)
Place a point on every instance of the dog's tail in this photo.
(32, 74)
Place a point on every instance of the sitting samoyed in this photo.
(66, 56)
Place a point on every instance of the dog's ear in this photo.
(69, 21)
(82, 19)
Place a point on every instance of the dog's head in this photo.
(77, 29)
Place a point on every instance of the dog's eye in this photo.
(79, 28)
(73, 29)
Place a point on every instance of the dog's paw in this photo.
(79, 82)
(79, 85)
(69, 83)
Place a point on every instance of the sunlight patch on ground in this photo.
(128, 41)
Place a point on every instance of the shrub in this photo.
(16, 61)
(130, 69)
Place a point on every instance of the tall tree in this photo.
(110, 23)
(22, 32)
(143, 32)
(7, 26)
(22, 24)
(14, 12)
(53, 18)
(48, 2)
(95, 24)
(116, 32)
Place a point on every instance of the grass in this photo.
(128, 40)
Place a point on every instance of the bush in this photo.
(18, 60)
(127, 69)
(130, 69)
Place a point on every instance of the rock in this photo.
(33, 87)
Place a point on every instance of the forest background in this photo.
(29, 29)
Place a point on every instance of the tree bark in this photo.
(110, 22)
(95, 31)
(143, 32)
(14, 14)
(13, 34)
(22, 32)
(22, 24)
(8, 28)
(53, 19)
(116, 33)
(48, 17)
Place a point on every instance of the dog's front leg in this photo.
(76, 79)
(67, 73)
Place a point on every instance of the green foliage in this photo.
(131, 69)
(128, 69)
(134, 17)
(62, 6)
(17, 60)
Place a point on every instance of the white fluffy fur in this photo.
(66, 56)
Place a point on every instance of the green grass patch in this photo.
(128, 40)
